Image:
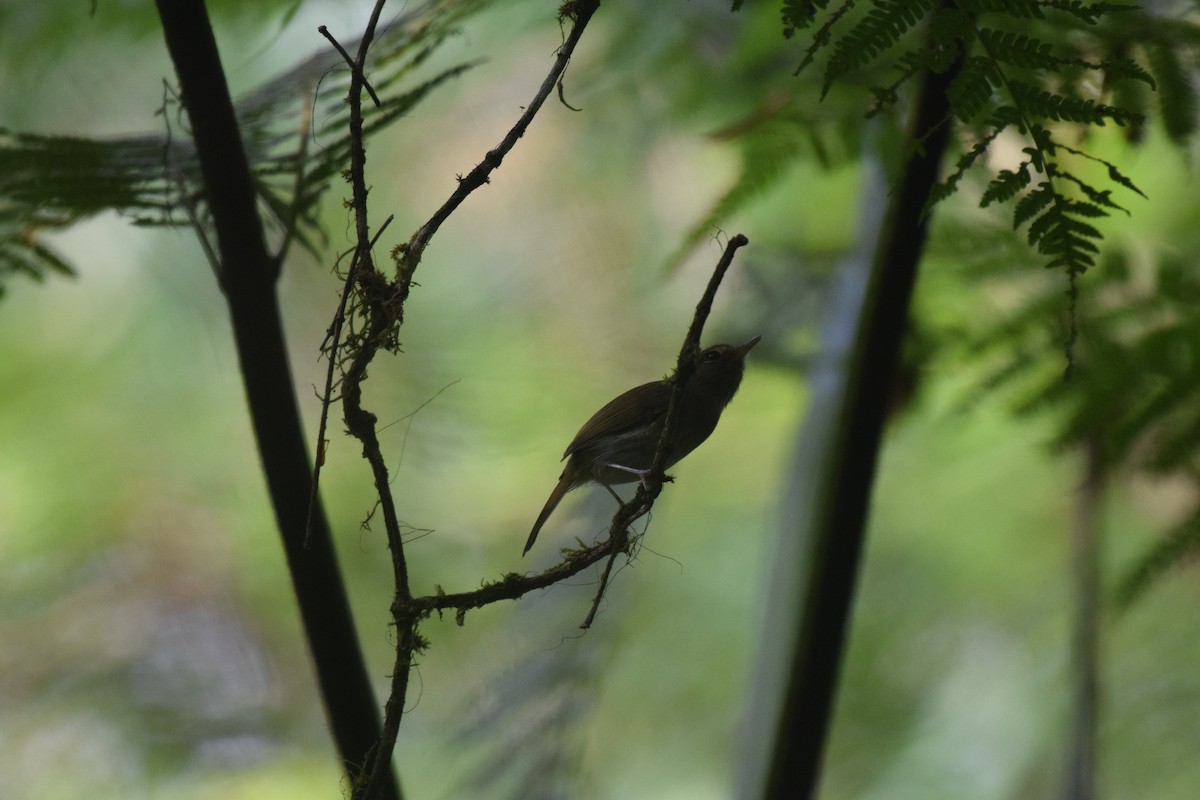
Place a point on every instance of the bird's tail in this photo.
(564, 486)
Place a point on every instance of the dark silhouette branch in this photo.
(379, 304)
(356, 66)
(333, 340)
(579, 12)
(371, 299)
(247, 276)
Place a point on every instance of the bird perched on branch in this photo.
(618, 444)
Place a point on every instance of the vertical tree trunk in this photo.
(811, 596)
(247, 274)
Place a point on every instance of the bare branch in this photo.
(580, 12)
(355, 67)
(380, 304)
(513, 585)
(333, 342)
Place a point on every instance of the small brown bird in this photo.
(618, 443)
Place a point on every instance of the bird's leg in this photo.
(641, 474)
(616, 496)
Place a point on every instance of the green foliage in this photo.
(1039, 72)
(1041, 76)
(1036, 73)
(971, 90)
(1136, 393)
(798, 14)
(22, 254)
(1180, 543)
(51, 182)
(877, 32)
(1177, 101)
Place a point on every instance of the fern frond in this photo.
(1091, 13)
(21, 253)
(1097, 196)
(1018, 49)
(823, 35)
(1115, 175)
(1020, 9)
(1044, 224)
(947, 187)
(1124, 69)
(1071, 246)
(796, 14)
(1032, 204)
(1006, 185)
(1048, 105)
(875, 33)
(1177, 102)
(1029, 79)
(1028, 52)
(54, 181)
(971, 90)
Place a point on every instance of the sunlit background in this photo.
(149, 642)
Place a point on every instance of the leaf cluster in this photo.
(52, 182)
(1038, 73)
(1004, 80)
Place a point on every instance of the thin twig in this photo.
(513, 585)
(355, 68)
(374, 780)
(582, 12)
(333, 342)
(383, 311)
(587, 621)
(685, 365)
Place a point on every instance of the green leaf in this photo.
(1032, 204)
(970, 92)
(875, 33)
(1006, 185)
(1018, 49)
(1049, 105)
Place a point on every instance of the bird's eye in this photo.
(710, 356)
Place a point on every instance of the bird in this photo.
(618, 444)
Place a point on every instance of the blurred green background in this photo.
(151, 647)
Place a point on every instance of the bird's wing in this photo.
(639, 406)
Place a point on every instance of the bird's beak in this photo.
(746, 347)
